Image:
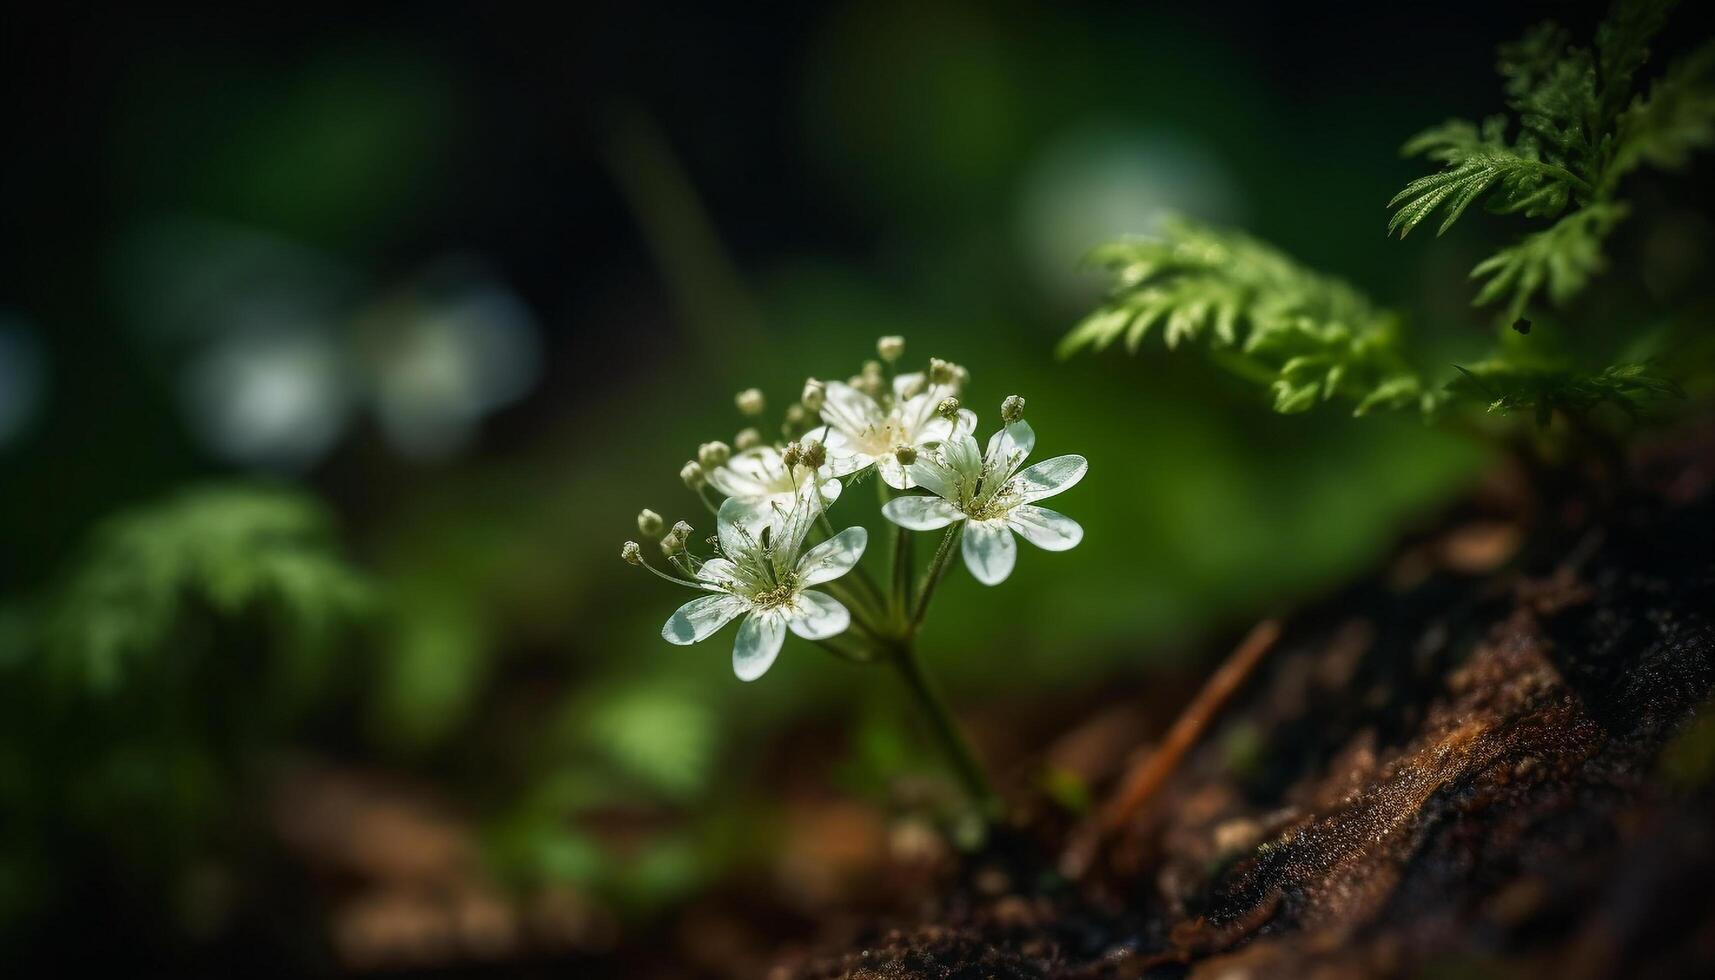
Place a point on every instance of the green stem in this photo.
(903, 559)
(952, 739)
(932, 577)
(866, 615)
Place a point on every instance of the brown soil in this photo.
(1496, 758)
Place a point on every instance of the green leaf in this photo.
(1509, 385)
(1677, 118)
(1562, 259)
(228, 549)
(1312, 338)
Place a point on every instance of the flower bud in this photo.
(796, 416)
(713, 454)
(750, 401)
(693, 475)
(632, 554)
(792, 455)
(747, 439)
(905, 454)
(890, 348)
(815, 455)
(1012, 409)
(649, 523)
(948, 408)
(942, 372)
(815, 394)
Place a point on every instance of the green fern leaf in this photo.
(229, 549)
(1677, 118)
(1311, 337)
(1511, 386)
(1562, 259)
(1478, 162)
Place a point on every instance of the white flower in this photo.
(861, 433)
(763, 578)
(993, 497)
(759, 479)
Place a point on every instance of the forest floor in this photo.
(1495, 757)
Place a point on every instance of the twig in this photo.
(1147, 778)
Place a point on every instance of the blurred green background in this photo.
(339, 350)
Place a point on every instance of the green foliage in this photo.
(1562, 258)
(1580, 129)
(1508, 386)
(1314, 338)
(1577, 126)
(1480, 161)
(1677, 117)
(227, 549)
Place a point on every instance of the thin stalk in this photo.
(840, 647)
(932, 576)
(947, 731)
(903, 559)
(865, 615)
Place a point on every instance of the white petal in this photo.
(932, 474)
(961, 456)
(699, 618)
(1008, 448)
(833, 557)
(893, 474)
(990, 551)
(1049, 477)
(751, 474)
(917, 513)
(758, 643)
(844, 455)
(848, 409)
(815, 616)
(738, 523)
(792, 520)
(720, 575)
(967, 422)
(905, 382)
(1046, 529)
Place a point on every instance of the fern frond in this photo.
(1675, 119)
(1622, 47)
(1313, 337)
(230, 548)
(1563, 258)
(1521, 183)
(1510, 386)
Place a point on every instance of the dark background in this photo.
(688, 200)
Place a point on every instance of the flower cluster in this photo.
(774, 544)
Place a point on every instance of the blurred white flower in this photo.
(278, 397)
(286, 347)
(441, 362)
(861, 432)
(758, 480)
(1099, 180)
(763, 577)
(993, 497)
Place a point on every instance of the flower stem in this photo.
(932, 576)
(903, 559)
(953, 742)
